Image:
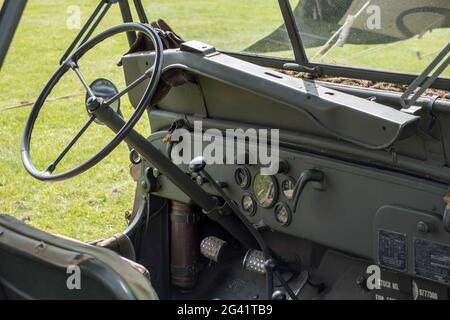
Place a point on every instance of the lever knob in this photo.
(279, 295)
(197, 164)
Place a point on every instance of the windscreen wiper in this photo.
(426, 79)
(97, 16)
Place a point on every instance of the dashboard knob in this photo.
(279, 295)
(197, 164)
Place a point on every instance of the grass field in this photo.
(92, 205)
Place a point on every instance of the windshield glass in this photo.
(400, 35)
(233, 25)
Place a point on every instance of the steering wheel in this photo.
(153, 74)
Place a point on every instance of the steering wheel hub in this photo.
(93, 103)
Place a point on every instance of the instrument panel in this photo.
(334, 203)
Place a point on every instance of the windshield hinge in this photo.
(316, 71)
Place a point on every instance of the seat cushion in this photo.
(38, 265)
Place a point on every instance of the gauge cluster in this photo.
(266, 194)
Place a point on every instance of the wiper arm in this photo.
(425, 80)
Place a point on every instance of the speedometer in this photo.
(265, 189)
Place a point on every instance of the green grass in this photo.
(412, 55)
(92, 205)
(89, 206)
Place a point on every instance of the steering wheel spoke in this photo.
(74, 66)
(55, 163)
(133, 85)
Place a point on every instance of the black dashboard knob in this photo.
(279, 295)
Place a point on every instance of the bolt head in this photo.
(423, 227)
(199, 180)
(156, 173)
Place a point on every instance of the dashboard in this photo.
(389, 218)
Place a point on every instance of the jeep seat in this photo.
(38, 265)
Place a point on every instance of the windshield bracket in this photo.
(315, 71)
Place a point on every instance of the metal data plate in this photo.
(392, 250)
(432, 261)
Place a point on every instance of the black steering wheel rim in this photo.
(71, 63)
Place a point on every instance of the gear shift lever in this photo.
(198, 165)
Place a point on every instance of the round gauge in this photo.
(287, 188)
(265, 189)
(243, 177)
(248, 204)
(283, 214)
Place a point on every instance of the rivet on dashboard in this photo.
(423, 227)
(199, 180)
